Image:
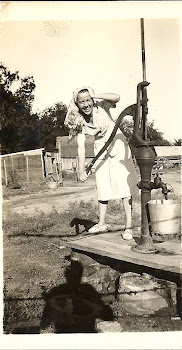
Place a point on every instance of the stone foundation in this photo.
(137, 294)
(142, 294)
(102, 278)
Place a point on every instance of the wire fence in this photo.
(21, 168)
(25, 167)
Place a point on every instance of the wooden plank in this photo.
(42, 163)
(58, 145)
(167, 259)
(25, 153)
(170, 246)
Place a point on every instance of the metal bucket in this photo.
(165, 216)
(53, 185)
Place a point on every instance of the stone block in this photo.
(144, 294)
(105, 288)
(136, 283)
(110, 277)
(83, 258)
(98, 287)
(144, 307)
(108, 326)
(140, 296)
(89, 270)
(111, 288)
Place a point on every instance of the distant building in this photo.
(168, 151)
(69, 147)
(69, 152)
(168, 156)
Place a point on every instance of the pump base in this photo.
(145, 250)
(145, 246)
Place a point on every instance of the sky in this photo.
(64, 50)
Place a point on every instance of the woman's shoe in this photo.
(96, 228)
(127, 235)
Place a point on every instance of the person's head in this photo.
(73, 273)
(84, 102)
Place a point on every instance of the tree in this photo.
(52, 124)
(153, 134)
(19, 126)
(177, 142)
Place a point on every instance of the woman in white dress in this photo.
(89, 114)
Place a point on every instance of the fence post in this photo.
(58, 146)
(43, 164)
(5, 173)
(12, 162)
(27, 168)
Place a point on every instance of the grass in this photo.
(63, 223)
(21, 225)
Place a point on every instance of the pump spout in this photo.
(159, 184)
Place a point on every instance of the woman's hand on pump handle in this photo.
(83, 176)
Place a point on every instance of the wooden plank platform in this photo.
(112, 245)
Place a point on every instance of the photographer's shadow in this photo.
(73, 307)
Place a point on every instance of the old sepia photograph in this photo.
(90, 147)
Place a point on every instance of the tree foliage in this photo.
(21, 129)
(153, 134)
(177, 142)
(19, 126)
(52, 124)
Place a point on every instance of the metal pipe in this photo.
(144, 91)
(143, 48)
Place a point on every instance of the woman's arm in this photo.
(82, 175)
(107, 96)
(81, 153)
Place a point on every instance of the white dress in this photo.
(114, 170)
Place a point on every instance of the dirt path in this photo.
(58, 199)
(72, 191)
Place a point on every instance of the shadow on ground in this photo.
(73, 307)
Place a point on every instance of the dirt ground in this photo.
(71, 191)
(34, 264)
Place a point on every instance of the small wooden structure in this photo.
(50, 164)
(112, 245)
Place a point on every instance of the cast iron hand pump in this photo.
(145, 154)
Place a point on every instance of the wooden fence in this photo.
(24, 166)
(35, 166)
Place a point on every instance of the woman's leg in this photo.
(102, 212)
(101, 226)
(127, 204)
